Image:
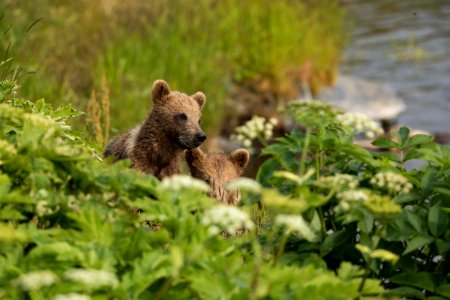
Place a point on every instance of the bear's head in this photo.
(217, 169)
(178, 115)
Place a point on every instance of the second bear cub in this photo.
(172, 126)
(217, 169)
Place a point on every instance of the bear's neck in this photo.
(158, 154)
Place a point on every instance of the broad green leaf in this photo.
(402, 136)
(442, 246)
(359, 153)
(423, 280)
(5, 184)
(419, 139)
(417, 242)
(404, 292)
(385, 142)
(417, 222)
(444, 290)
(437, 221)
(334, 240)
(443, 191)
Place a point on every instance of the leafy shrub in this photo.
(331, 220)
(74, 226)
(367, 208)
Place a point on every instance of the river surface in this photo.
(406, 44)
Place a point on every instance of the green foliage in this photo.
(73, 225)
(203, 47)
(374, 212)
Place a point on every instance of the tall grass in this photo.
(203, 46)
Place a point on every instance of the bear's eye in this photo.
(182, 117)
(199, 121)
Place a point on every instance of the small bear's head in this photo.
(178, 115)
(217, 169)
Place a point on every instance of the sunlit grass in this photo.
(203, 47)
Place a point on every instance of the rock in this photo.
(376, 100)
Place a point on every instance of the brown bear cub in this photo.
(216, 169)
(172, 126)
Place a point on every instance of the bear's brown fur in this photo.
(156, 146)
(217, 169)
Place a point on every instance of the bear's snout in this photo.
(200, 137)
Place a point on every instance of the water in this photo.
(407, 45)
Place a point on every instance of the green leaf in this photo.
(442, 246)
(5, 184)
(419, 139)
(416, 222)
(423, 280)
(444, 290)
(404, 292)
(385, 142)
(417, 242)
(359, 153)
(334, 240)
(437, 221)
(402, 136)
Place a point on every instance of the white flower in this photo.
(36, 279)
(247, 143)
(295, 224)
(179, 182)
(257, 127)
(273, 121)
(343, 206)
(72, 296)
(353, 196)
(92, 278)
(225, 218)
(358, 122)
(392, 182)
(338, 182)
(245, 184)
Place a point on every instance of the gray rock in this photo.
(376, 100)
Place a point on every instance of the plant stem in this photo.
(280, 249)
(322, 223)
(256, 271)
(363, 281)
(262, 141)
(305, 151)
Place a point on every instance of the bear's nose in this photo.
(200, 137)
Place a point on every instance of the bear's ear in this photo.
(240, 157)
(159, 91)
(193, 155)
(200, 98)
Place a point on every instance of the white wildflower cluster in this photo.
(179, 182)
(228, 219)
(392, 182)
(92, 278)
(353, 196)
(348, 197)
(295, 224)
(72, 296)
(244, 184)
(36, 279)
(358, 122)
(257, 127)
(338, 182)
(42, 206)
